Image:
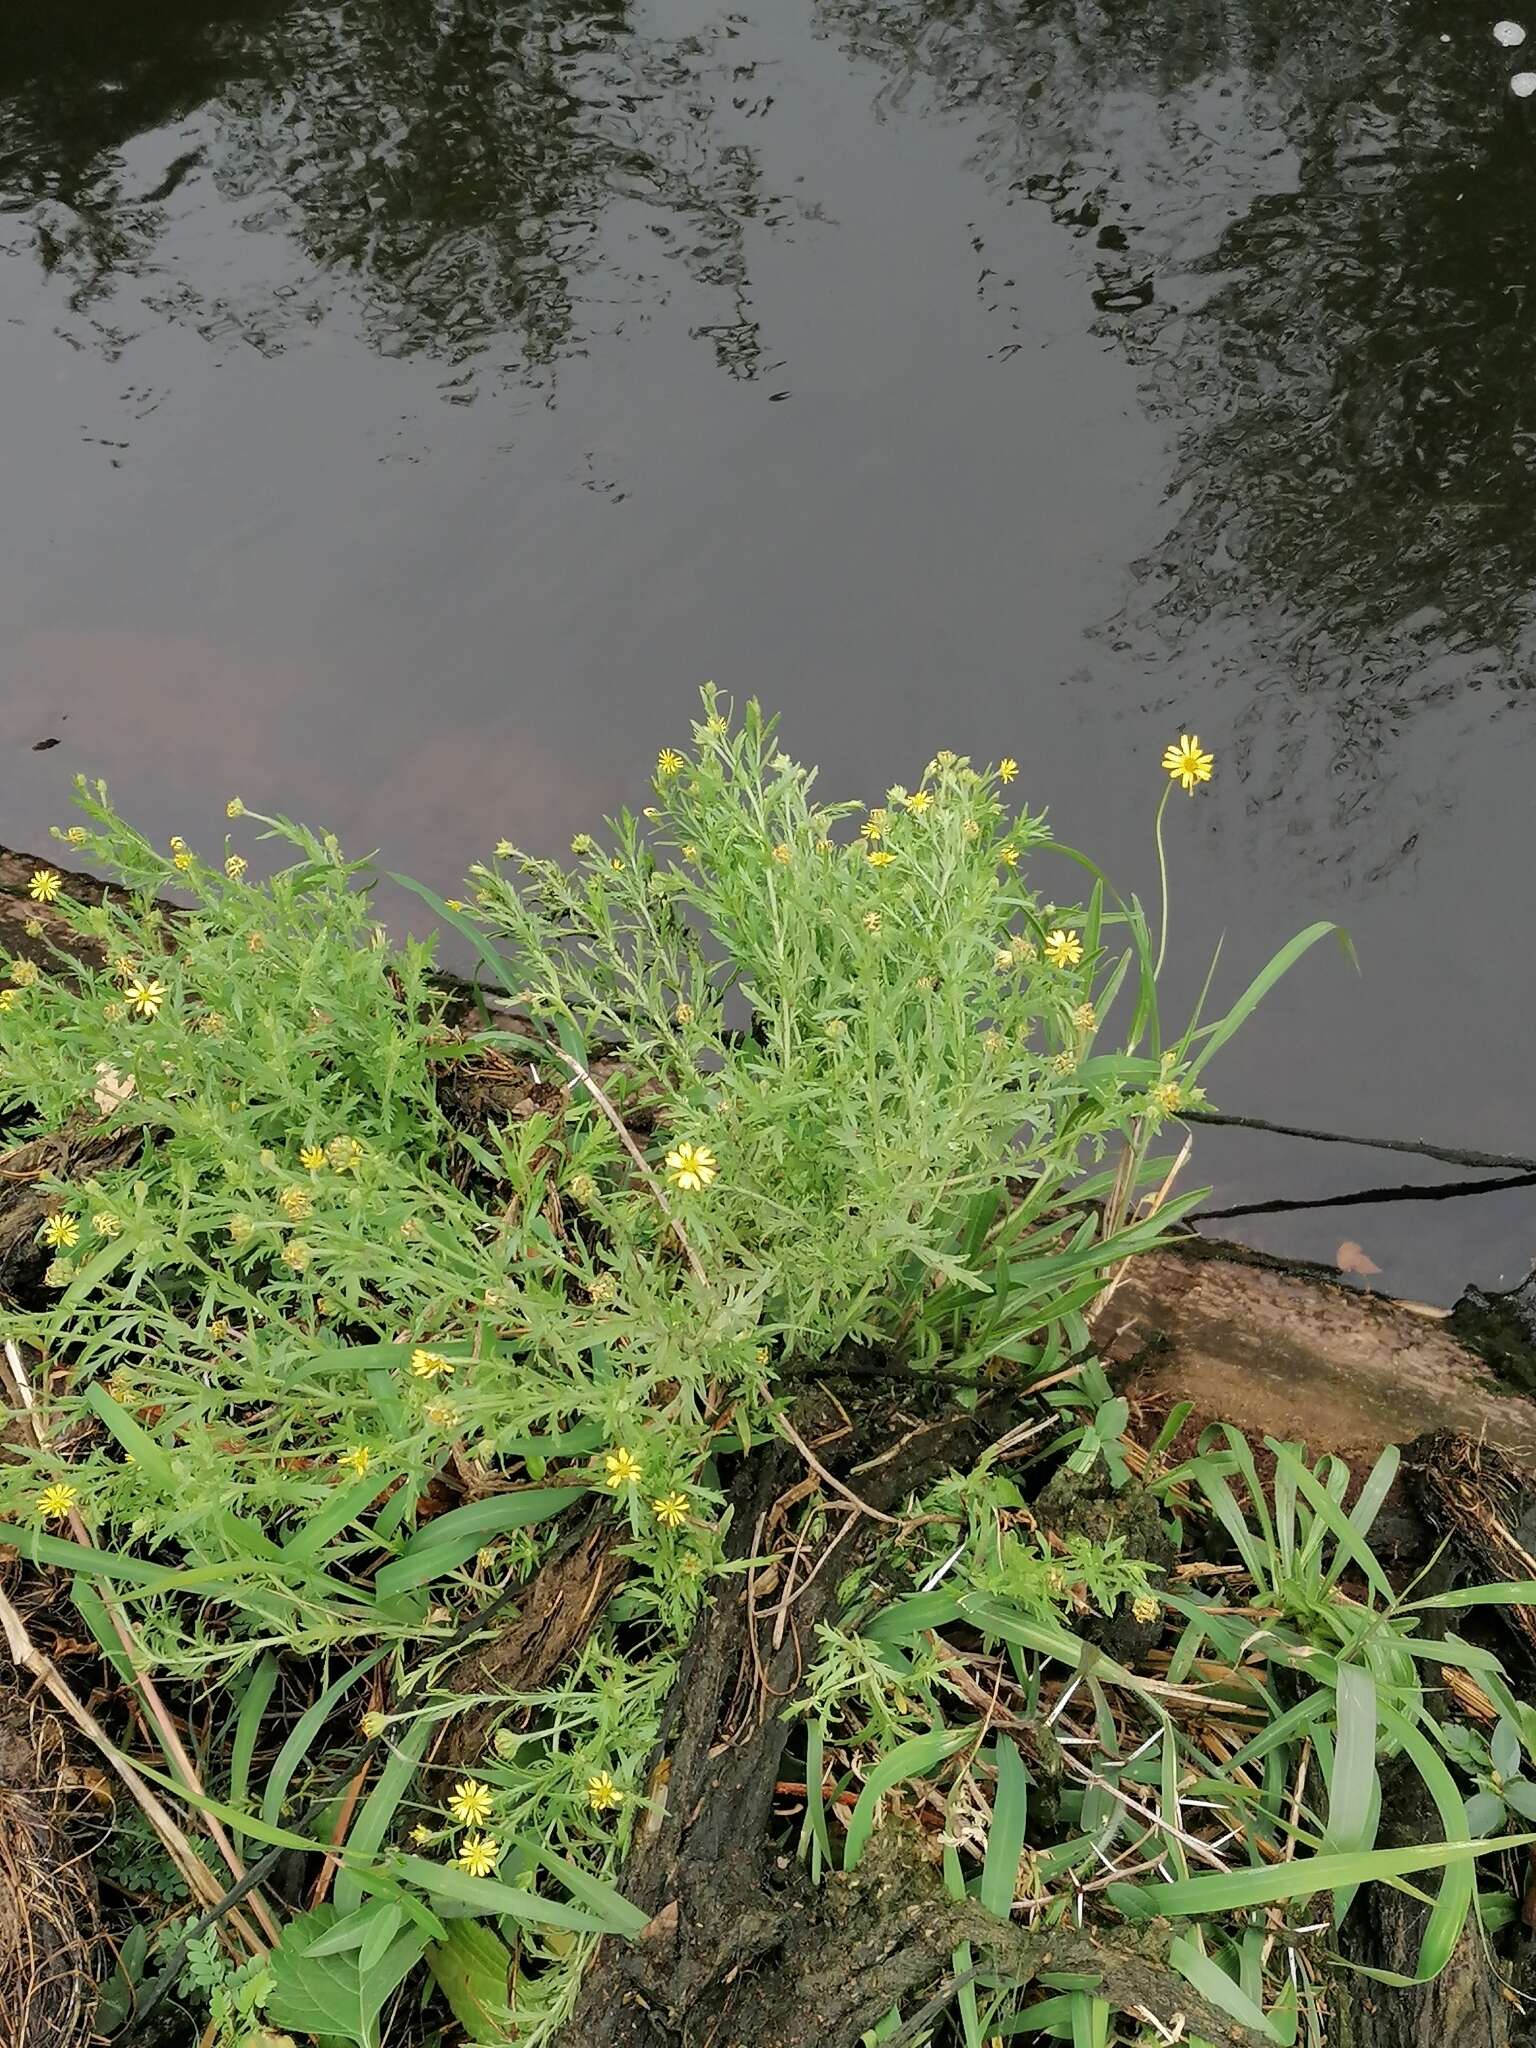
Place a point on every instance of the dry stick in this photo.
(339, 1835)
(637, 1155)
(1153, 1203)
(1409, 1191)
(1451, 1155)
(837, 1486)
(132, 1649)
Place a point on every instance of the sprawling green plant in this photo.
(321, 1357)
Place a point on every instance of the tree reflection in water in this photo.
(482, 177)
(1310, 231)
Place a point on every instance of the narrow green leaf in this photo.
(305, 1729)
(378, 1809)
(488, 1895)
(259, 1688)
(1005, 1836)
(909, 1759)
(445, 1544)
(1207, 1977)
(1231, 1891)
(1255, 992)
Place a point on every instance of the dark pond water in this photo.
(408, 405)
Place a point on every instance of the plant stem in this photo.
(1162, 874)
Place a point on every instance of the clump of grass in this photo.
(327, 1367)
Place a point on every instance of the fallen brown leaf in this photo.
(1349, 1258)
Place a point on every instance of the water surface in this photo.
(410, 404)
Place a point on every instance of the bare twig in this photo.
(636, 1155)
(844, 1492)
(339, 1834)
(1451, 1155)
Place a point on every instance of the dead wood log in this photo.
(1461, 2008)
(547, 1621)
(1288, 1352)
(741, 1948)
(74, 1153)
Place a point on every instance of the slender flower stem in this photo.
(1162, 872)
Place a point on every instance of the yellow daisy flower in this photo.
(60, 1231)
(1187, 762)
(622, 1468)
(1063, 949)
(471, 1803)
(669, 761)
(356, 1460)
(429, 1365)
(919, 801)
(690, 851)
(8, 999)
(670, 1509)
(45, 885)
(1007, 768)
(182, 860)
(691, 1167)
(145, 997)
(312, 1157)
(603, 1795)
(881, 858)
(1009, 856)
(55, 1501)
(477, 1855)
